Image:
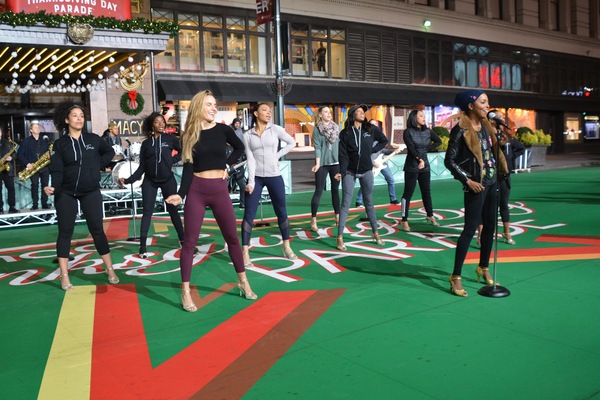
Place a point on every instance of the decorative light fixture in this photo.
(427, 24)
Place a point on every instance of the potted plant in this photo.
(536, 144)
(444, 135)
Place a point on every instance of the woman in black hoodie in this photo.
(357, 141)
(75, 164)
(158, 154)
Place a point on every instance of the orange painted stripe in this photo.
(119, 330)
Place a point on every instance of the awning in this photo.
(44, 55)
(184, 88)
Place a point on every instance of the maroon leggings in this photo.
(211, 193)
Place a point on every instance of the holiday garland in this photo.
(132, 103)
(54, 21)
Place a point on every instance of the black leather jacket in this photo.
(463, 157)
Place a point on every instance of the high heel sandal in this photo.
(377, 239)
(480, 274)
(190, 307)
(508, 239)
(68, 286)
(478, 242)
(246, 256)
(288, 252)
(405, 227)
(114, 280)
(313, 226)
(243, 293)
(453, 290)
(432, 221)
(340, 244)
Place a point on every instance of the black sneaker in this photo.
(13, 210)
(34, 207)
(359, 205)
(46, 207)
(394, 202)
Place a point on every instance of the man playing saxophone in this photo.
(33, 148)
(7, 172)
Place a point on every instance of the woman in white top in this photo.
(262, 142)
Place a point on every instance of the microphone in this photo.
(492, 115)
(45, 137)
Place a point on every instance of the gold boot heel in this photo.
(480, 275)
(457, 292)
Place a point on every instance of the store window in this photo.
(189, 43)
(166, 59)
(572, 130)
(213, 43)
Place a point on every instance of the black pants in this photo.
(320, 182)
(149, 191)
(9, 182)
(480, 208)
(504, 186)
(410, 182)
(66, 212)
(238, 178)
(42, 178)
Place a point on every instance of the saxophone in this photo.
(5, 165)
(36, 166)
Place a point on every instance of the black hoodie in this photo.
(75, 164)
(157, 159)
(356, 147)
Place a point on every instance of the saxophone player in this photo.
(8, 174)
(31, 149)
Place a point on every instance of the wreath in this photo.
(132, 103)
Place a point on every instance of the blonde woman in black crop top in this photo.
(204, 182)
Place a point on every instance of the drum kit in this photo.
(127, 162)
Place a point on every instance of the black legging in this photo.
(149, 191)
(504, 196)
(410, 182)
(480, 208)
(238, 178)
(66, 212)
(320, 182)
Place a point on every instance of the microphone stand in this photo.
(262, 222)
(133, 215)
(496, 290)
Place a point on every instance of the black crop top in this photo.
(210, 152)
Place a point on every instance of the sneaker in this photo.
(46, 206)
(359, 205)
(35, 207)
(13, 210)
(394, 201)
(242, 206)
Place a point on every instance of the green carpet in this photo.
(374, 322)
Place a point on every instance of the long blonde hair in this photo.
(193, 125)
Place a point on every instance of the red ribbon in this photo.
(132, 99)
